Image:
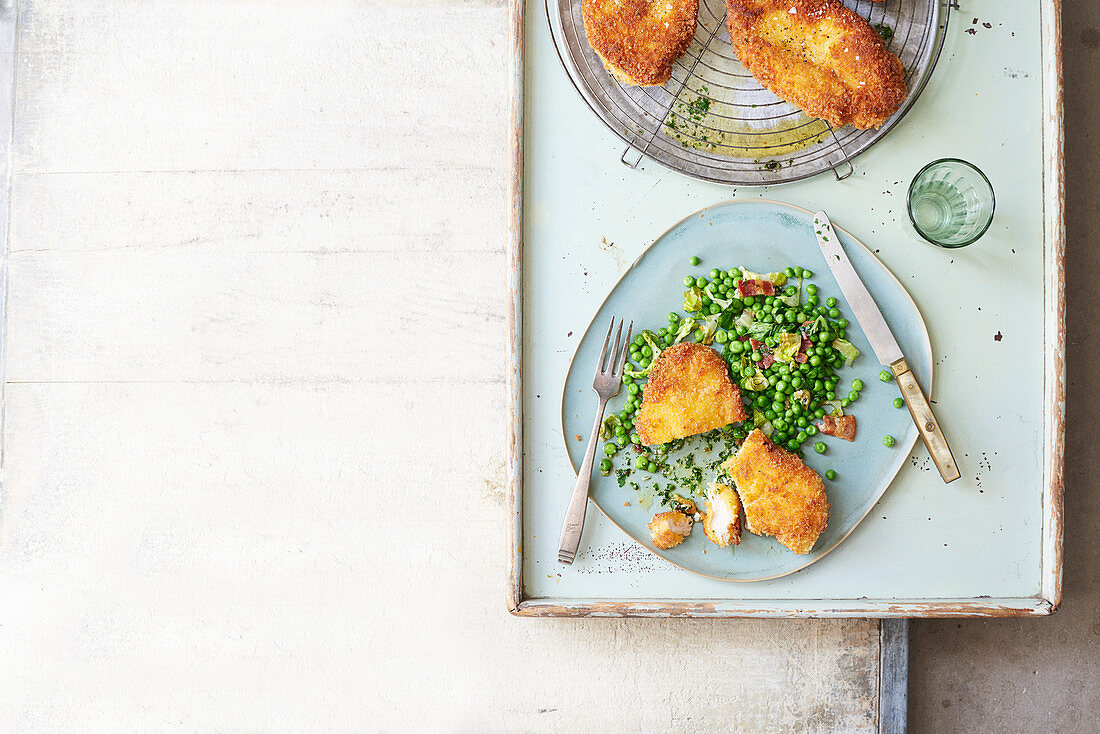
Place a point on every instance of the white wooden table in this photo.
(254, 405)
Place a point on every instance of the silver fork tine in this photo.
(622, 355)
(614, 356)
(603, 352)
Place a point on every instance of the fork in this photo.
(607, 383)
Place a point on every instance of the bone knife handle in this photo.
(926, 421)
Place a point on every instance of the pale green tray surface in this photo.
(925, 540)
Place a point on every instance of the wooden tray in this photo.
(989, 544)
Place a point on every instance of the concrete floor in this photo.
(1016, 675)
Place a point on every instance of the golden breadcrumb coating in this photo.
(689, 392)
(669, 529)
(781, 495)
(819, 56)
(722, 520)
(638, 40)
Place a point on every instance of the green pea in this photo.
(736, 346)
(857, 384)
(830, 474)
(634, 438)
(638, 341)
(801, 437)
(789, 272)
(807, 273)
(811, 430)
(885, 375)
(714, 274)
(842, 323)
(605, 466)
(798, 272)
(853, 396)
(641, 462)
(620, 431)
(651, 467)
(721, 337)
(632, 388)
(748, 300)
(700, 282)
(833, 313)
(715, 309)
(830, 301)
(845, 402)
(694, 260)
(610, 449)
(811, 289)
(899, 403)
(888, 440)
(689, 281)
(819, 447)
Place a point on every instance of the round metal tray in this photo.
(713, 121)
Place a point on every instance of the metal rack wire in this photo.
(713, 121)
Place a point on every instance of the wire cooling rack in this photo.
(713, 121)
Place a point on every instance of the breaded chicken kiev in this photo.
(819, 56)
(689, 392)
(782, 496)
(639, 40)
(669, 529)
(722, 519)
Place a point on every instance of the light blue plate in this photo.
(763, 236)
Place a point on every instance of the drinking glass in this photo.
(951, 203)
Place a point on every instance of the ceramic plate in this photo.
(763, 236)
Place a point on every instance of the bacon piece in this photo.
(766, 358)
(841, 427)
(802, 357)
(748, 288)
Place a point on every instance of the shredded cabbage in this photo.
(686, 327)
(787, 347)
(693, 299)
(776, 278)
(710, 328)
(847, 350)
(755, 382)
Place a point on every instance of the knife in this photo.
(885, 346)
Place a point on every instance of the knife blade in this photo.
(855, 293)
(885, 346)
